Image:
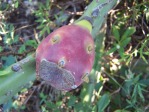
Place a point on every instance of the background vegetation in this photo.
(122, 57)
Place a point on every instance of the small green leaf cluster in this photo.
(8, 39)
(125, 59)
(31, 43)
(121, 41)
(43, 17)
(133, 88)
(7, 32)
(11, 42)
(9, 5)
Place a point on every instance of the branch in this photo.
(97, 11)
(16, 77)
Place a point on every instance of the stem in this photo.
(85, 24)
(12, 82)
(97, 12)
(96, 24)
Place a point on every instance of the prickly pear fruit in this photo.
(65, 57)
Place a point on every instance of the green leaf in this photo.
(39, 20)
(141, 51)
(147, 16)
(146, 53)
(111, 50)
(121, 52)
(4, 6)
(140, 90)
(9, 60)
(128, 32)
(135, 93)
(71, 101)
(144, 59)
(137, 78)
(51, 105)
(31, 43)
(42, 95)
(144, 82)
(97, 86)
(59, 103)
(16, 39)
(43, 31)
(103, 102)
(22, 49)
(1, 48)
(121, 111)
(47, 4)
(16, 4)
(116, 32)
(78, 107)
(48, 29)
(125, 42)
(127, 88)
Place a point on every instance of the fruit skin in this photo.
(71, 44)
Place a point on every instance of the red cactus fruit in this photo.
(65, 57)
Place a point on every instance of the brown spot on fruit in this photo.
(55, 39)
(90, 48)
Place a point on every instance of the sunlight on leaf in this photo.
(129, 31)
(103, 102)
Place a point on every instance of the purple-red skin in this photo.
(73, 45)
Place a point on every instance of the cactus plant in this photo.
(23, 73)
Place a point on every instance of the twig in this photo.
(34, 88)
(36, 36)
(116, 91)
(24, 27)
